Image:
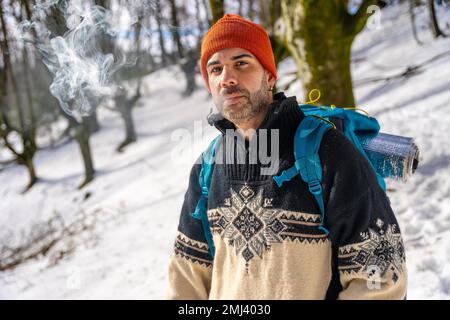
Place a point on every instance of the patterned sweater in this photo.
(267, 241)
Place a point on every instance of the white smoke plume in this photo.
(82, 72)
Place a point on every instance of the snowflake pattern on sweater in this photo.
(252, 225)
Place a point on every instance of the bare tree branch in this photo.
(408, 72)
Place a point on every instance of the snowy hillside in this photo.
(419, 107)
(135, 200)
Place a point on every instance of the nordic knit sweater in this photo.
(267, 241)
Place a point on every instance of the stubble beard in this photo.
(248, 107)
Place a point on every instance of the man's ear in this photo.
(270, 79)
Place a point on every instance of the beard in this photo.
(247, 107)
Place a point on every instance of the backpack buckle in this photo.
(315, 187)
(205, 192)
(285, 176)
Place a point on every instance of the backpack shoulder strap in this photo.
(204, 180)
(307, 140)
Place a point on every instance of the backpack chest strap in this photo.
(308, 138)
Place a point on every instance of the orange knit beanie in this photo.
(233, 31)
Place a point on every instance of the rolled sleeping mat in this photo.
(392, 156)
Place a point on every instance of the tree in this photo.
(26, 127)
(437, 32)
(189, 68)
(208, 13)
(319, 35)
(412, 5)
(200, 25)
(162, 46)
(251, 9)
(175, 27)
(240, 7)
(81, 128)
(189, 63)
(217, 10)
(125, 104)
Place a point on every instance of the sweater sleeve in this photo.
(368, 250)
(190, 265)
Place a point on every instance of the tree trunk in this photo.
(148, 50)
(82, 137)
(437, 32)
(174, 29)
(189, 70)
(240, 7)
(125, 107)
(200, 26)
(217, 10)
(56, 23)
(32, 123)
(251, 10)
(26, 128)
(412, 15)
(130, 132)
(129, 124)
(102, 3)
(319, 36)
(160, 33)
(124, 104)
(207, 11)
(92, 120)
(31, 173)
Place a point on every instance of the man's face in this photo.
(239, 84)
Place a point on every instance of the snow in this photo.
(417, 107)
(137, 195)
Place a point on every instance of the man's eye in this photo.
(241, 63)
(215, 69)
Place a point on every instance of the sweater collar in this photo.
(283, 115)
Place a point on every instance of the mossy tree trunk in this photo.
(319, 35)
(217, 10)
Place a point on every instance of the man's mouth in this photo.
(232, 99)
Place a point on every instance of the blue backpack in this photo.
(308, 136)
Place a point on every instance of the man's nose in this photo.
(229, 78)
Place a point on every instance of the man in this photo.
(266, 238)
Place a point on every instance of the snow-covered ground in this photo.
(137, 195)
(417, 107)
